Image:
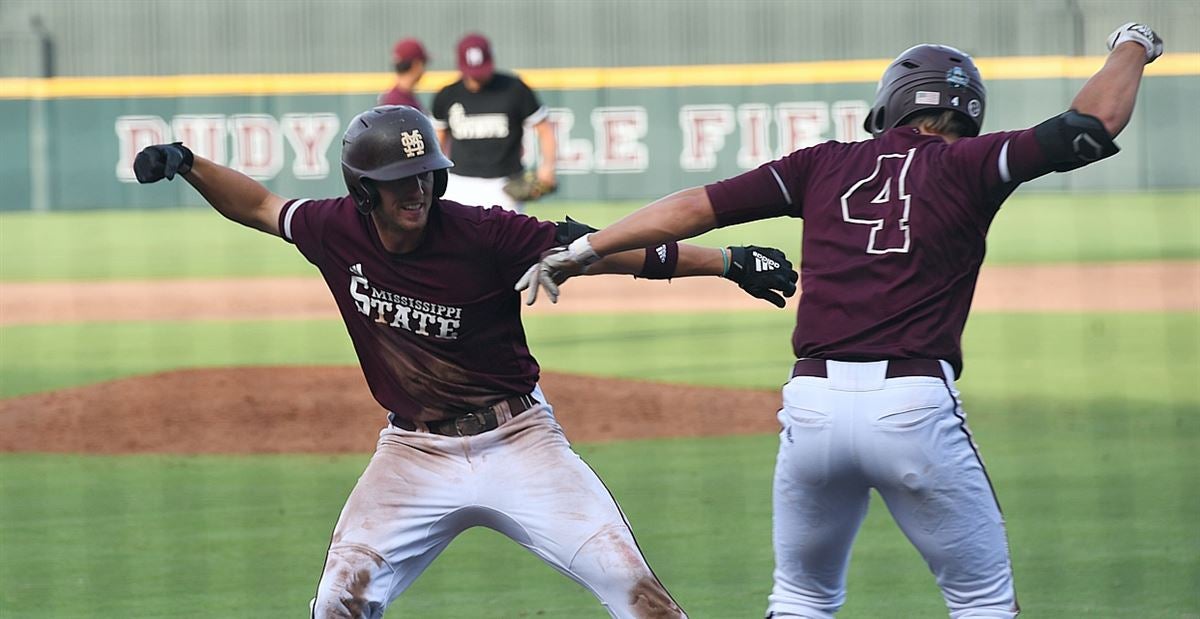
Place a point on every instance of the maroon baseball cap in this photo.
(409, 49)
(475, 57)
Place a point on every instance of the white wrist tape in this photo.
(580, 251)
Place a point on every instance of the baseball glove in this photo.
(526, 187)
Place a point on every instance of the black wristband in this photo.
(185, 166)
(660, 261)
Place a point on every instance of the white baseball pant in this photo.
(522, 479)
(906, 437)
(475, 191)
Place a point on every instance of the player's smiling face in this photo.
(404, 203)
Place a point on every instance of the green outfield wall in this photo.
(623, 133)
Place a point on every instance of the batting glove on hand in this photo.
(1140, 34)
(161, 161)
(761, 272)
(555, 267)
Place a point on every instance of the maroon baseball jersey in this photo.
(438, 330)
(398, 96)
(893, 235)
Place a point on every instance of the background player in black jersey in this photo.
(481, 120)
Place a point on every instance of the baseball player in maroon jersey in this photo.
(425, 287)
(893, 239)
(409, 59)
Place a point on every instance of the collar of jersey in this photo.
(377, 243)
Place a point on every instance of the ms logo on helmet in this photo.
(413, 143)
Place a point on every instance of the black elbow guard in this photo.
(1072, 140)
(569, 230)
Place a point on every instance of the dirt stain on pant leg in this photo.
(356, 603)
(651, 601)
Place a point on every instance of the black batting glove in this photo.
(763, 272)
(161, 161)
(569, 230)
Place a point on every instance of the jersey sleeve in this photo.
(773, 189)
(441, 108)
(517, 241)
(529, 106)
(303, 222)
(997, 162)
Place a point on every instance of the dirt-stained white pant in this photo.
(476, 191)
(907, 438)
(522, 479)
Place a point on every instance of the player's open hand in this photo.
(763, 272)
(557, 264)
(553, 269)
(161, 161)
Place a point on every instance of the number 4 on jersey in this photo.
(881, 201)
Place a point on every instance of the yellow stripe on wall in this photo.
(830, 72)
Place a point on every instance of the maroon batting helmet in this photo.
(928, 77)
(388, 143)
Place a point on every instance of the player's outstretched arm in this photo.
(763, 272)
(231, 193)
(237, 196)
(681, 215)
(1110, 94)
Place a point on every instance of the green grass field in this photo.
(199, 243)
(1088, 422)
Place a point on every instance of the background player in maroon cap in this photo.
(409, 59)
(481, 121)
(892, 243)
(425, 288)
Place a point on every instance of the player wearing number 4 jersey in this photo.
(893, 239)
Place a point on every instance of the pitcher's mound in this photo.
(329, 410)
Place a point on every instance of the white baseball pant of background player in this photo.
(474, 191)
(522, 479)
(906, 437)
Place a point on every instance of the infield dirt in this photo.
(1113, 286)
(329, 409)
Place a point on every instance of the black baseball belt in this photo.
(472, 423)
(896, 368)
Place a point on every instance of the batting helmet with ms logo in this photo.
(389, 143)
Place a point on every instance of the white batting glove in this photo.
(555, 267)
(1140, 34)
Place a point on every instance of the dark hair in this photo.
(404, 65)
(942, 122)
